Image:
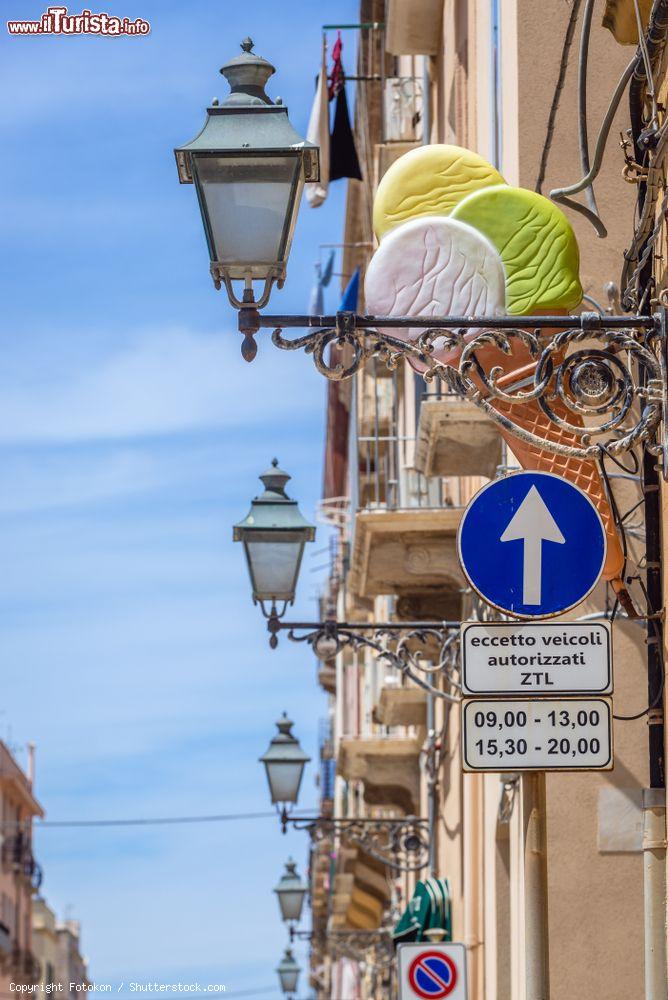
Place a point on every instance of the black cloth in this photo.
(343, 160)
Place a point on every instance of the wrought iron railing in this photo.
(17, 857)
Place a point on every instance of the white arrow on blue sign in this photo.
(532, 544)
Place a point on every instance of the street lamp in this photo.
(288, 972)
(274, 534)
(291, 892)
(284, 763)
(249, 167)
(400, 843)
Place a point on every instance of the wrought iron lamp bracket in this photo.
(400, 843)
(399, 644)
(354, 944)
(584, 375)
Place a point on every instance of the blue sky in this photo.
(131, 435)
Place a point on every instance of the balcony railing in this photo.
(24, 965)
(383, 447)
(17, 857)
(327, 762)
(402, 109)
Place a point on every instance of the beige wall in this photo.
(541, 29)
(592, 953)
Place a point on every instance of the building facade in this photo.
(507, 79)
(20, 874)
(57, 949)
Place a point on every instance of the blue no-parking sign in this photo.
(532, 544)
(432, 972)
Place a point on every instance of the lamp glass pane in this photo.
(274, 567)
(289, 981)
(248, 201)
(284, 780)
(291, 902)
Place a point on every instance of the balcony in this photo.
(320, 879)
(455, 438)
(405, 523)
(401, 706)
(353, 906)
(327, 768)
(18, 858)
(23, 965)
(365, 912)
(370, 875)
(327, 677)
(402, 120)
(341, 896)
(399, 551)
(5, 942)
(388, 767)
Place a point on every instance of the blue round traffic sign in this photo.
(532, 544)
(432, 975)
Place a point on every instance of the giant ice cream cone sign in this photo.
(456, 240)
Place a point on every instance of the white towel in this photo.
(318, 133)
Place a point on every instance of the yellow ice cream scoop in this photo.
(535, 242)
(430, 180)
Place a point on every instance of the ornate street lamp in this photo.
(249, 167)
(284, 763)
(402, 843)
(274, 534)
(291, 892)
(288, 972)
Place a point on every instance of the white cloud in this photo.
(160, 382)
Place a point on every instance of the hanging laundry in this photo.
(318, 133)
(350, 297)
(337, 76)
(323, 276)
(338, 407)
(343, 159)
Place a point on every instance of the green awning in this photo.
(429, 909)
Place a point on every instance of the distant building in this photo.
(20, 875)
(45, 941)
(57, 949)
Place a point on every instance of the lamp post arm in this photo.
(399, 644)
(588, 392)
(401, 843)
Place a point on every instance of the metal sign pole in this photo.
(537, 957)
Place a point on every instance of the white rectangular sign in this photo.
(536, 659)
(537, 734)
(432, 970)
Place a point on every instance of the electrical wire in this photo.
(561, 79)
(561, 195)
(150, 820)
(619, 522)
(583, 138)
(651, 613)
(649, 74)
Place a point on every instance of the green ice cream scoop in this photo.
(535, 242)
